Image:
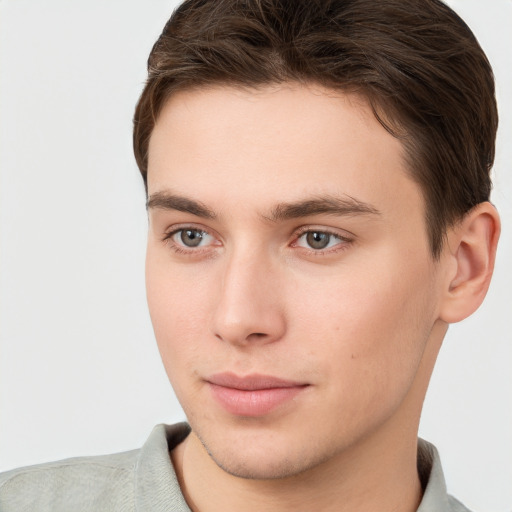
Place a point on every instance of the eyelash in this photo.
(345, 241)
(343, 245)
(167, 239)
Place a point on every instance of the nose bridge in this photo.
(248, 307)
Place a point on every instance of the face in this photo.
(289, 276)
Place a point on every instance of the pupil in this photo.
(191, 237)
(317, 240)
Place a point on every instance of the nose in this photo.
(249, 309)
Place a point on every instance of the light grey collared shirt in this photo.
(144, 481)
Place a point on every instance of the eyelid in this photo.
(179, 248)
(345, 238)
(175, 228)
(342, 234)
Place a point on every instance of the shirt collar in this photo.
(435, 497)
(156, 485)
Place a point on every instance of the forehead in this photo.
(240, 148)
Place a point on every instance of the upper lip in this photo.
(251, 382)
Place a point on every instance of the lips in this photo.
(252, 395)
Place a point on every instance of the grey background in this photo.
(79, 369)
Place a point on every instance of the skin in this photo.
(360, 321)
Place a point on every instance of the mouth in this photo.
(252, 395)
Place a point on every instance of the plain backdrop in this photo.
(79, 369)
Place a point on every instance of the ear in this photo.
(471, 247)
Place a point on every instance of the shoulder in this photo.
(456, 505)
(113, 483)
(85, 483)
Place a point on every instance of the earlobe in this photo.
(472, 247)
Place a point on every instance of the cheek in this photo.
(373, 322)
(178, 303)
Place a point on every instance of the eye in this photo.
(319, 240)
(191, 238)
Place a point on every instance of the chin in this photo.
(253, 460)
(260, 468)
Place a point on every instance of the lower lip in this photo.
(253, 403)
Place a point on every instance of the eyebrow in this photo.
(330, 205)
(327, 205)
(167, 201)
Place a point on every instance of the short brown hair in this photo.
(420, 66)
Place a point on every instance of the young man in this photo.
(317, 179)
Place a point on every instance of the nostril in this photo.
(257, 335)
